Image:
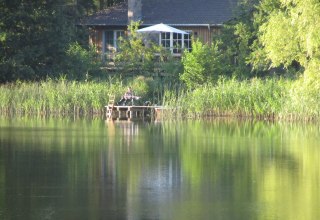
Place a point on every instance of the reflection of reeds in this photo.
(56, 97)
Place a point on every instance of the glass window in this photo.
(187, 44)
(109, 39)
(177, 43)
(112, 40)
(118, 34)
(165, 40)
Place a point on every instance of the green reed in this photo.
(259, 98)
(303, 100)
(59, 97)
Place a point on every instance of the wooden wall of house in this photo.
(204, 34)
(96, 35)
(95, 39)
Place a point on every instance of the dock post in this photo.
(130, 112)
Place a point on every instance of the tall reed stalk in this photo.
(59, 97)
(259, 98)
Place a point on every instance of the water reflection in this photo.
(219, 169)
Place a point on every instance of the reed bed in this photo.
(259, 98)
(57, 97)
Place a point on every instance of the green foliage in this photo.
(290, 34)
(140, 85)
(57, 97)
(138, 55)
(304, 96)
(268, 98)
(102, 4)
(134, 56)
(81, 63)
(238, 46)
(270, 34)
(259, 98)
(281, 43)
(149, 88)
(203, 64)
(229, 97)
(235, 51)
(34, 37)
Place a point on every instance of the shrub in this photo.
(81, 62)
(134, 56)
(304, 95)
(201, 65)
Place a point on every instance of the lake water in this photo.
(217, 169)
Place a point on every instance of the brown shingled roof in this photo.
(172, 12)
(114, 16)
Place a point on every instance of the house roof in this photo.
(171, 12)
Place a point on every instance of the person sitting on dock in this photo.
(128, 96)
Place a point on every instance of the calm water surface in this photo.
(218, 169)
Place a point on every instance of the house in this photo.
(201, 18)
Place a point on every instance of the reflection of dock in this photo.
(131, 112)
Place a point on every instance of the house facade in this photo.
(202, 19)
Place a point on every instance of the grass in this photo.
(59, 97)
(259, 98)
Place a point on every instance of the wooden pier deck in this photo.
(131, 112)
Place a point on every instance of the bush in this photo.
(134, 56)
(201, 65)
(142, 56)
(81, 63)
(304, 96)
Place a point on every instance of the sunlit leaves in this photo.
(203, 64)
(292, 32)
(134, 56)
(279, 40)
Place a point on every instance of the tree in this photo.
(291, 34)
(203, 64)
(81, 63)
(34, 37)
(137, 55)
(102, 4)
(239, 47)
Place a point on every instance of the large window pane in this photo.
(187, 41)
(109, 39)
(177, 43)
(118, 34)
(165, 40)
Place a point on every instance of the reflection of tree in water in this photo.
(251, 163)
(230, 164)
(169, 170)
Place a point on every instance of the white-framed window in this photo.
(176, 42)
(187, 41)
(165, 40)
(110, 43)
(117, 35)
(111, 39)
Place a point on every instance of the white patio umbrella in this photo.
(160, 28)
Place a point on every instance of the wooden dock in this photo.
(131, 112)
